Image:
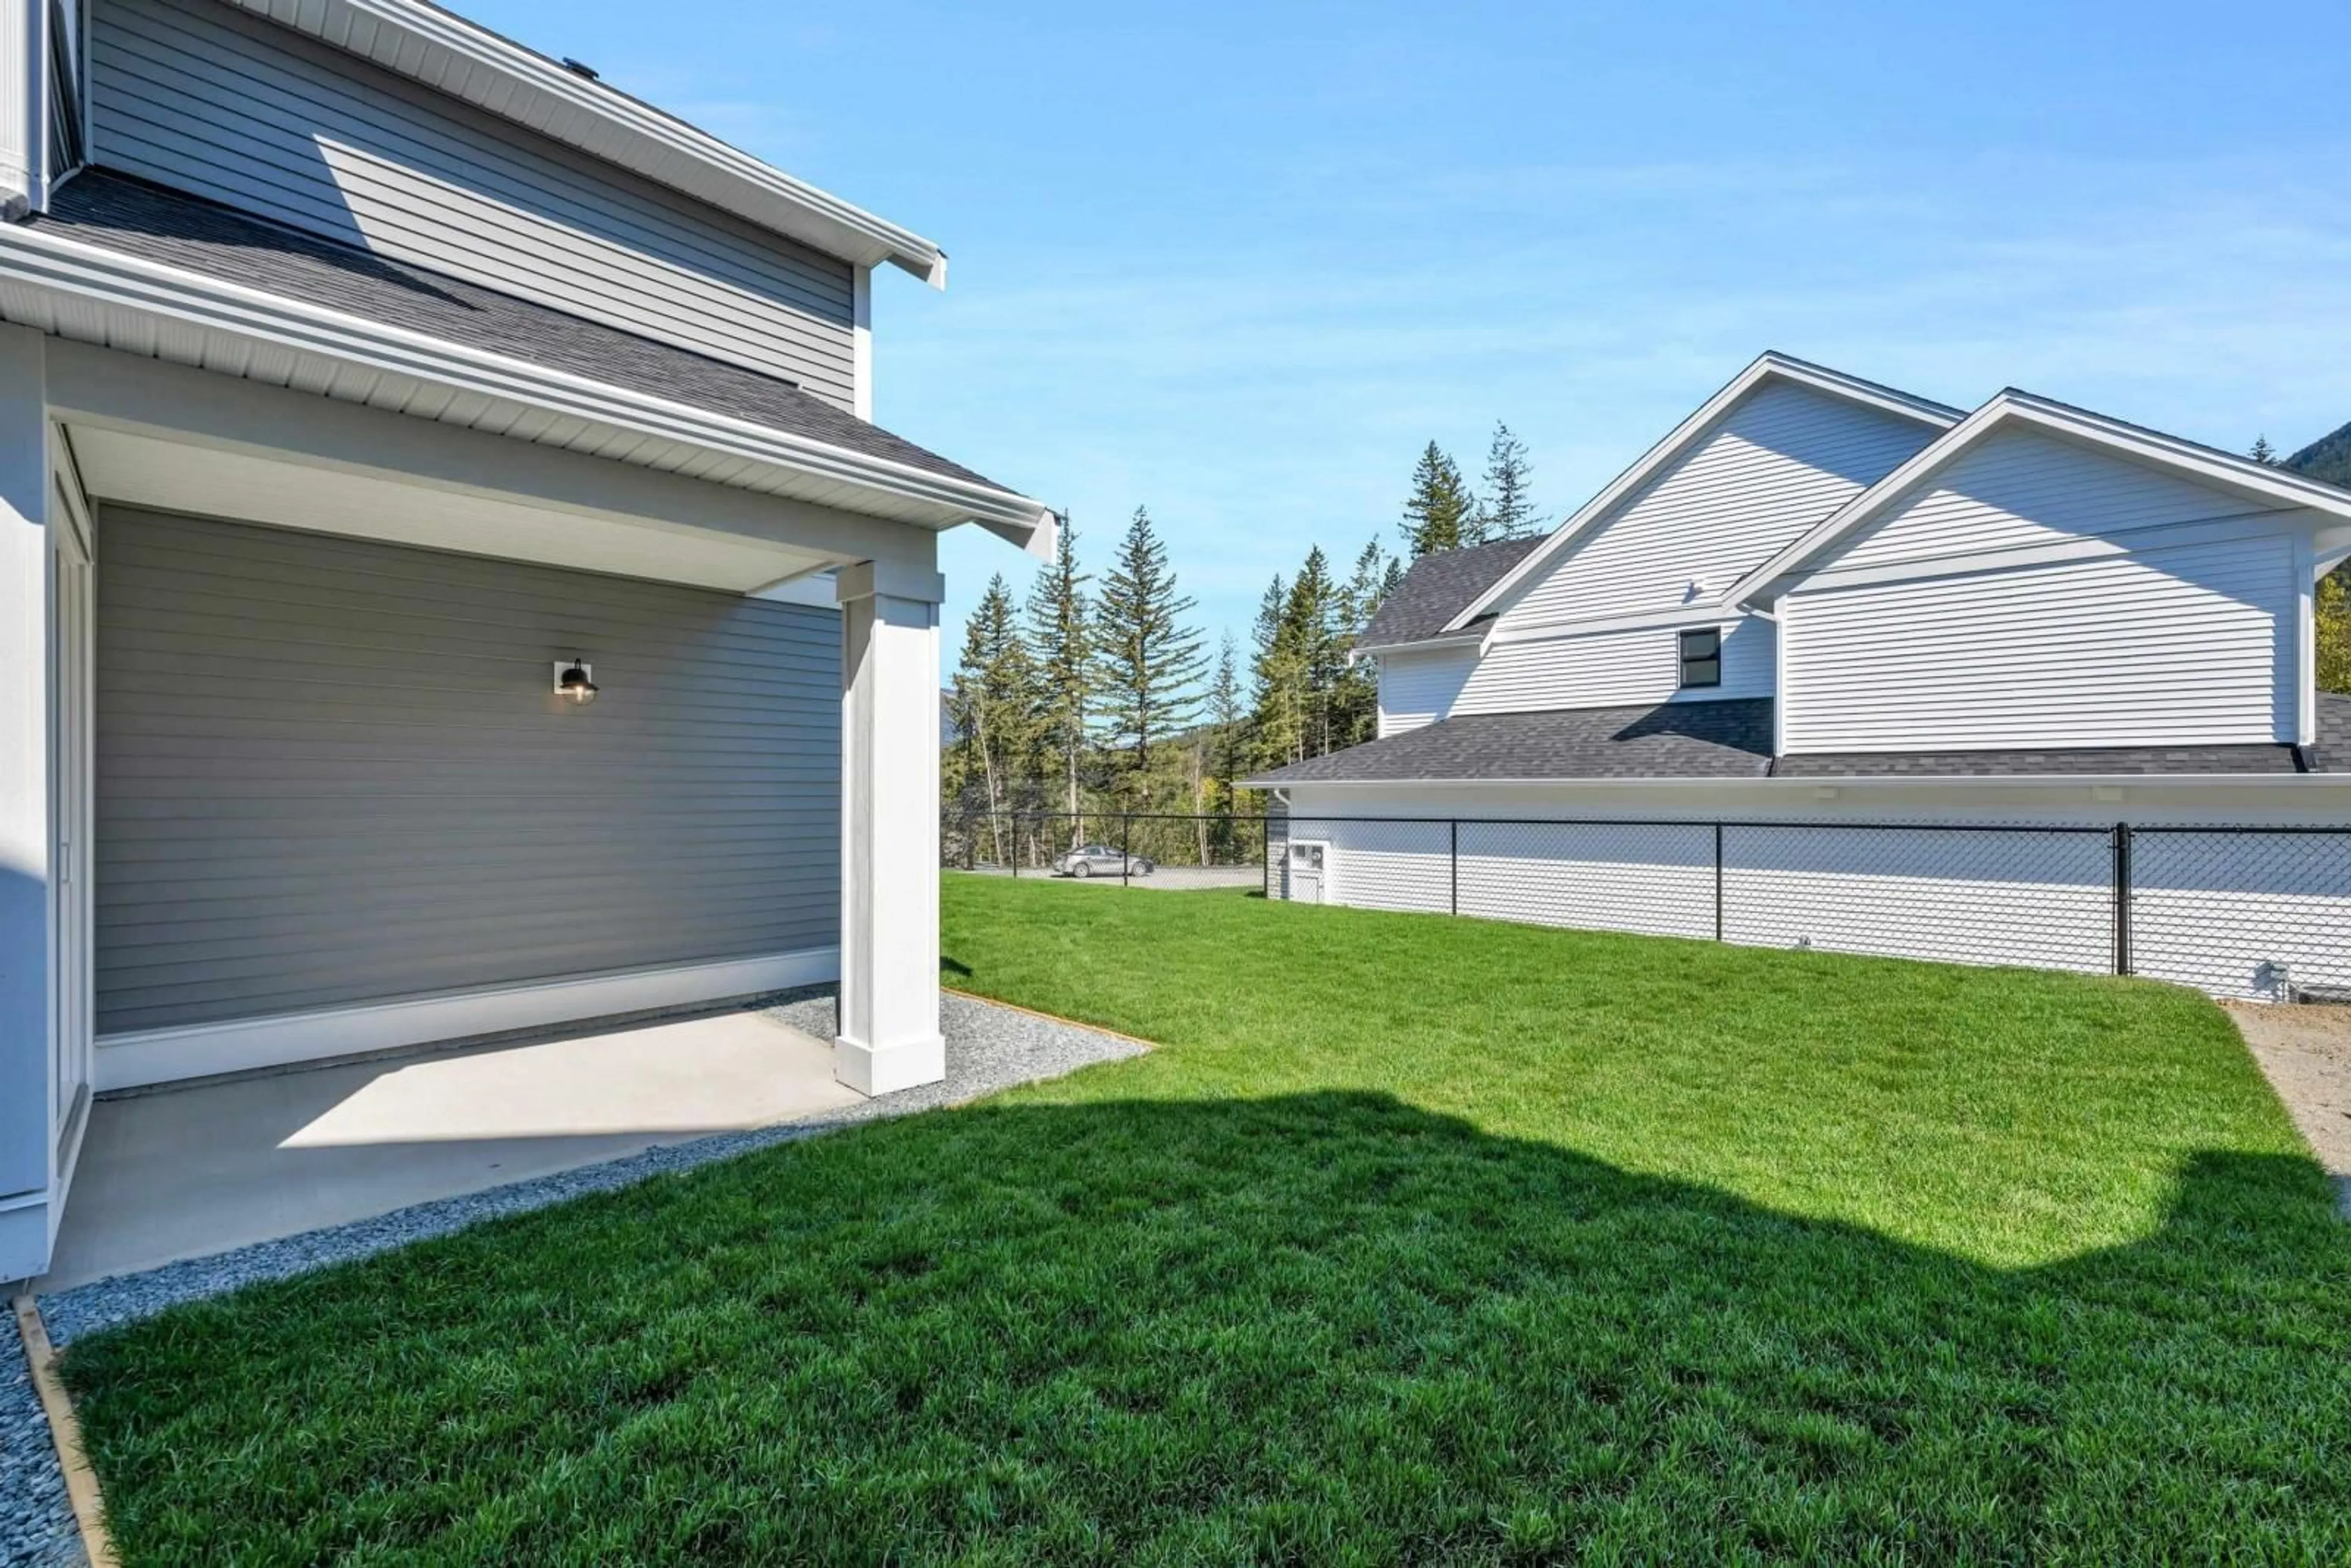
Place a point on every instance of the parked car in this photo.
(1100, 860)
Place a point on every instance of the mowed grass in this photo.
(1418, 1240)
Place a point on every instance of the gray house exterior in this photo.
(361, 372)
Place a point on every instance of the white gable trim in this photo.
(2266, 487)
(451, 54)
(1770, 366)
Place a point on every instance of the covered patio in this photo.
(301, 591)
(190, 1170)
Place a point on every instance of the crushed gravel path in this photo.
(989, 1047)
(2305, 1052)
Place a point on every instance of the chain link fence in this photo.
(2251, 911)
(1132, 848)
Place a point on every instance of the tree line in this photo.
(1096, 695)
(2328, 458)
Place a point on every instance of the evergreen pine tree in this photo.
(1147, 659)
(1355, 697)
(995, 704)
(1228, 740)
(2262, 452)
(2334, 631)
(1058, 634)
(1276, 709)
(1441, 513)
(1307, 630)
(1508, 506)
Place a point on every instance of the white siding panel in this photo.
(2220, 911)
(1609, 668)
(204, 100)
(2020, 489)
(1418, 689)
(1384, 865)
(2190, 646)
(1782, 460)
(1655, 878)
(1982, 896)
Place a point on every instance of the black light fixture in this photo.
(572, 682)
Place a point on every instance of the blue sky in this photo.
(1239, 262)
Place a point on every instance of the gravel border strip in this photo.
(989, 1046)
(37, 1520)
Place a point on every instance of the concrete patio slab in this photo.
(188, 1172)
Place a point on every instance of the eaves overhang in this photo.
(1811, 785)
(1769, 366)
(2258, 484)
(465, 60)
(94, 295)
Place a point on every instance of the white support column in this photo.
(860, 342)
(25, 1092)
(889, 829)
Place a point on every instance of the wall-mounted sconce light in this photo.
(575, 681)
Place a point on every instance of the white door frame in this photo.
(72, 588)
(1321, 873)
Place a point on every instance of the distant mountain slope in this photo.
(2328, 458)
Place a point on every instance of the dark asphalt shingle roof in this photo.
(1732, 739)
(1441, 586)
(2331, 754)
(147, 221)
(1676, 740)
(2134, 760)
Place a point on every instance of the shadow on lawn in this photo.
(1321, 1327)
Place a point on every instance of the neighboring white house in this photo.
(361, 371)
(1833, 665)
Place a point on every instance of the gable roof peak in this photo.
(1770, 365)
(2014, 406)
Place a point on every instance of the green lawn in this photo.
(1418, 1241)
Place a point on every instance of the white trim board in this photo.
(1769, 366)
(2268, 489)
(240, 1045)
(112, 299)
(453, 55)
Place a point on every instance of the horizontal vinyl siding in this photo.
(1655, 878)
(1782, 460)
(331, 771)
(2221, 911)
(1976, 896)
(2190, 646)
(2021, 490)
(197, 97)
(1612, 667)
(1418, 689)
(1383, 865)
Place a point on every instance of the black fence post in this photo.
(2122, 898)
(1453, 835)
(1718, 881)
(1125, 849)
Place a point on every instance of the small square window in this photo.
(1702, 658)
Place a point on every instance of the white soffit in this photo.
(243, 487)
(95, 295)
(466, 60)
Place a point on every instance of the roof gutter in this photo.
(1833, 781)
(40, 271)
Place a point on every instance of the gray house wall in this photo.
(204, 99)
(332, 771)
